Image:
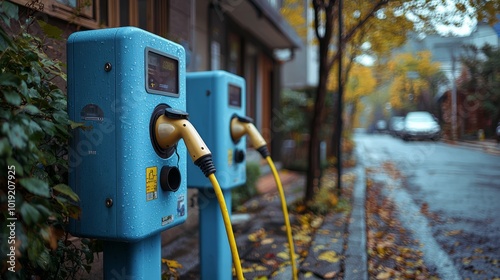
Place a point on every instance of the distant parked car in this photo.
(381, 126)
(421, 125)
(396, 125)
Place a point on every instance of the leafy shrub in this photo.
(33, 150)
(326, 200)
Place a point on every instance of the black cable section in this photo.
(206, 164)
(264, 152)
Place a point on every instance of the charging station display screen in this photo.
(234, 96)
(163, 73)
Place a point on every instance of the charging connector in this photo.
(242, 125)
(173, 126)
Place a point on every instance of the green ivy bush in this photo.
(34, 132)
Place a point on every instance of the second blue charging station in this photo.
(214, 98)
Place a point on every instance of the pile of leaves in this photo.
(270, 254)
(326, 200)
(392, 253)
(265, 251)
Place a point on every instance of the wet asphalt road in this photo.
(447, 196)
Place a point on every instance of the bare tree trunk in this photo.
(313, 167)
(324, 11)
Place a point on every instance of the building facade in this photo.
(240, 37)
(301, 73)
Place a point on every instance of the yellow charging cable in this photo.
(243, 125)
(285, 215)
(227, 224)
(169, 129)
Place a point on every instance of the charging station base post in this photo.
(215, 254)
(133, 260)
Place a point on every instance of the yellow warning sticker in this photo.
(151, 183)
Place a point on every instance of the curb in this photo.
(486, 146)
(356, 260)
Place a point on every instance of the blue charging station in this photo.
(213, 99)
(120, 80)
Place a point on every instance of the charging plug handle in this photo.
(174, 126)
(241, 125)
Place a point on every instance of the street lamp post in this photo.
(451, 46)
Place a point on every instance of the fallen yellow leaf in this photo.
(318, 247)
(247, 269)
(383, 275)
(316, 223)
(324, 231)
(270, 262)
(308, 274)
(302, 237)
(267, 241)
(258, 235)
(330, 275)
(260, 268)
(453, 232)
(301, 208)
(329, 256)
(283, 255)
(171, 263)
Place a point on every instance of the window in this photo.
(151, 15)
(234, 61)
(70, 3)
(81, 12)
(83, 8)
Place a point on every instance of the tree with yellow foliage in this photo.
(293, 11)
(359, 83)
(381, 23)
(412, 76)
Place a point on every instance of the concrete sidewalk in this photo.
(334, 248)
(261, 237)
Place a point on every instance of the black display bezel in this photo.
(231, 91)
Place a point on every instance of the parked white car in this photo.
(421, 125)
